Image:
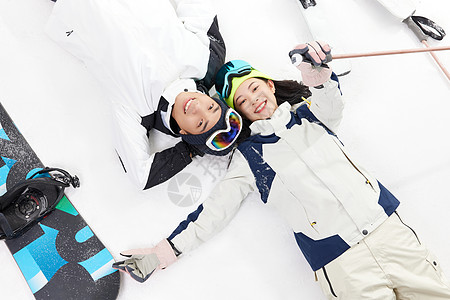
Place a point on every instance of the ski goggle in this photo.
(230, 70)
(224, 138)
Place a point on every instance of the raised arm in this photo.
(136, 49)
(326, 102)
(199, 17)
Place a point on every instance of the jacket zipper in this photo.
(356, 168)
(329, 283)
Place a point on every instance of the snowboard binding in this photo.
(31, 200)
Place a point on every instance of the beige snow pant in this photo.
(390, 263)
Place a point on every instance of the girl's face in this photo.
(195, 112)
(255, 99)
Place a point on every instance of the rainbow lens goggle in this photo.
(224, 138)
(227, 72)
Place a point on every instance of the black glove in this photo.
(316, 53)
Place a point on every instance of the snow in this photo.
(396, 123)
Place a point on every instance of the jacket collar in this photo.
(277, 122)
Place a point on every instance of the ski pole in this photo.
(436, 59)
(422, 29)
(391, 52)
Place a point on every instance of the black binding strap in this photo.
(4, 225)
(429, 28)
(63, 177)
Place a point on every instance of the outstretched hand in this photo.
(317, 53)
(311, 59)
(142, 263)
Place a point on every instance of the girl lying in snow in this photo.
(344, 220)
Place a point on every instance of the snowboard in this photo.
(60, 257)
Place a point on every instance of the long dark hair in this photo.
(290, 91)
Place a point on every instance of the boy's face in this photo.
(195, 113)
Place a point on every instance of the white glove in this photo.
(311, 60)
(142, 263)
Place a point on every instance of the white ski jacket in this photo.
(298, 165)
(143, 53)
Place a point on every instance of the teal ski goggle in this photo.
(224, 77)
(224, 138)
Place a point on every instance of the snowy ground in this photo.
(396, 121)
